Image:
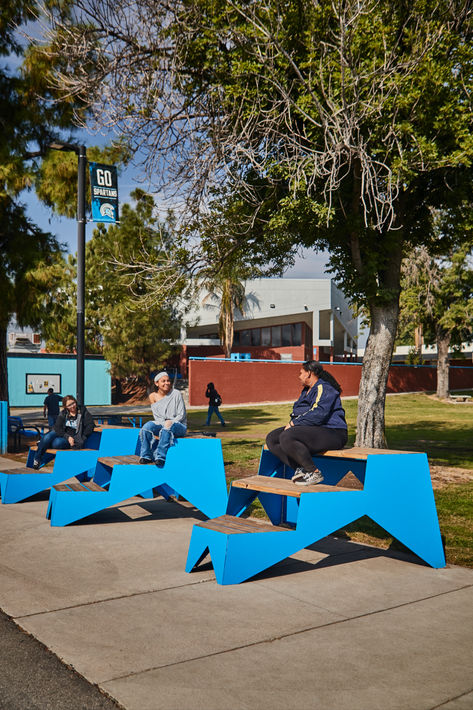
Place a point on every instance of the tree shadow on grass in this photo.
(450, 444)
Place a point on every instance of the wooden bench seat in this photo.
(54, 451)
(285, 487)
(231, 525)
(111, 461)
(79, 487)
(28, 471)
(356, 453)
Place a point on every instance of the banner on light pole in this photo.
(104, 191)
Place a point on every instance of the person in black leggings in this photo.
(317, 424)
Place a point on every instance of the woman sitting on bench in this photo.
(317, 424)
(170, 420)
(71, 429)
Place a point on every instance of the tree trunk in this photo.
(227, 333)
(374, 376)
(443, 365)
(3, 365)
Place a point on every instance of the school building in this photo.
(282, 319)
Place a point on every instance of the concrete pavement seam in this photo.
(288, 635)
(111, 599)
(455, 697)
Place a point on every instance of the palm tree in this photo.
(229, 291)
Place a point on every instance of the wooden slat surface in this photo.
(76, 487)
(54, 451)
(358, 453)
(92, 486)
(21, 471)
(112, 461)
(282, 486)
(230, 525)
(69, 487)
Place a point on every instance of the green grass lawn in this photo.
(413, 423)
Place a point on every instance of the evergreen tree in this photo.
(137, 335)
(437, 296)
(24, 120)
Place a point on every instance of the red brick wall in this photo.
(243, 382)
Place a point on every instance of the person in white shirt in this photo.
(170, 420)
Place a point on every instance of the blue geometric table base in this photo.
(194, 469)
(16, 487)
(397, 494)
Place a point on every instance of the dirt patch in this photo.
(443, 476)
(238, 470)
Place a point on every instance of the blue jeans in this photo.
(153, 449)
(213, 409)
(50, 441)
(52, 420)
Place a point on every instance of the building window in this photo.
(276, 336)
(272, 336)
(255, 336)
(286, 337)
(245, 337)
(265, 337)
(297, 333)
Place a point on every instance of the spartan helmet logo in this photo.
(107, 210)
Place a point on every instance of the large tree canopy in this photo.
(357, 112)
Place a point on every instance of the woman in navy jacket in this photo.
(317, 423)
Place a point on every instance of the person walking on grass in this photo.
(214, 403)
(317, 423)
(170, 421)
(71, 429)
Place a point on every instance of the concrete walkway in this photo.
(338, 626)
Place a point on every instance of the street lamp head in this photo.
(68, 147)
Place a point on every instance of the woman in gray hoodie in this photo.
(170, 420)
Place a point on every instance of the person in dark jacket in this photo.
(317, 424)
(71, 429)
(51, 407)
(214, 403)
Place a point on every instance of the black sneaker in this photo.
(143, 460)
(160, 463)
(310, 478)
(36, 465)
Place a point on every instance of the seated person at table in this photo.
(317, 424)
(170, 420)
(71, 429)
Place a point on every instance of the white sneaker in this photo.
(310, 478)
(298, 474)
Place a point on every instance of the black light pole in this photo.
(81, 222)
